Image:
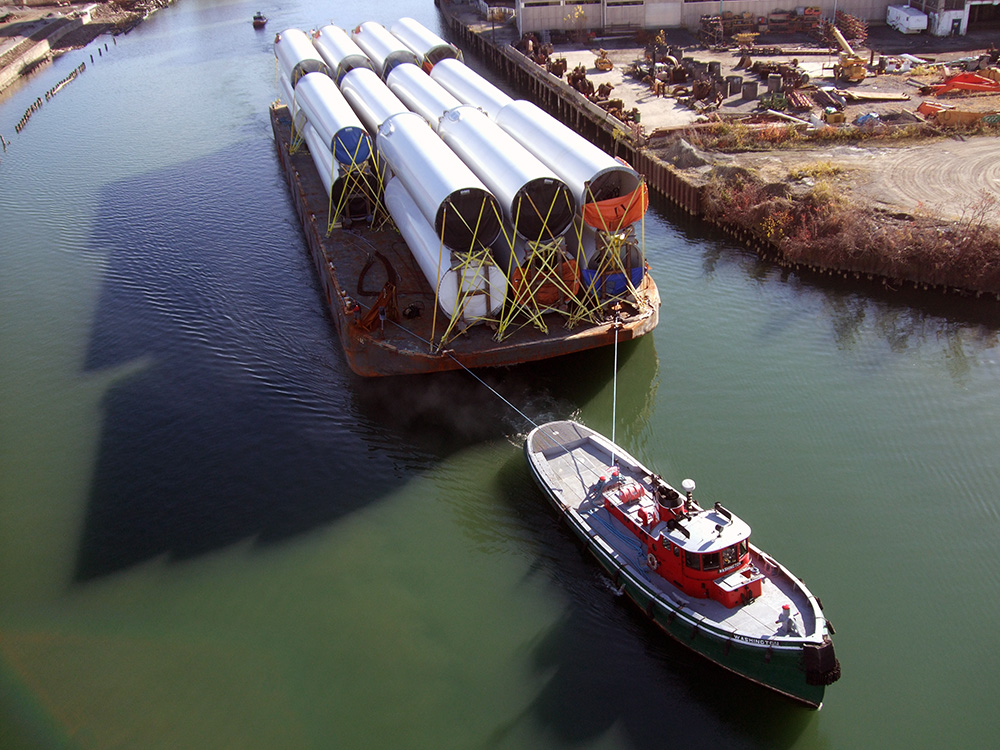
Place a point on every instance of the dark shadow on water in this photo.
(234, 424)
(240, 419)
(609, 669)
(451, 410)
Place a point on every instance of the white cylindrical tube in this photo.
(339, 51)
(331, 115)
(450, 196)
(590, 173)
(535, 201)
(429, 48)
(469, 87)
(321, 156)
(288, 95)
(421, 93)
(475, 288)
(385, 50)
(297, 55)
(370, 98)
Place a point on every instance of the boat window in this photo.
(730, 556)
(710, 562)
(743, 547)
(692, 560)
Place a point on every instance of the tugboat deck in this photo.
(576, 461)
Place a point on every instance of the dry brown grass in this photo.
(738, 137)
(815, 170)
(822, 231)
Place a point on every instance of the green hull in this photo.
(781, 669)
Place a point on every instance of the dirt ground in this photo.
(950, 178)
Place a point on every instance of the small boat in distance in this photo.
(692, 570)
(259, 20)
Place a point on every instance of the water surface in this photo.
(213, 534)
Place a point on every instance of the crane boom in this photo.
(851, 67)
(842, 41)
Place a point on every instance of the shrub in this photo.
(824, 230)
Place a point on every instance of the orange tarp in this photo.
(613, 214)
(544, 287)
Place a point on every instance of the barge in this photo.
(444, 235)
(354, 263)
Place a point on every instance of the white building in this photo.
(944, 16)
(953, 17)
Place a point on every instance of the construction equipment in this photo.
(964, 82)
(850, 67)
(792, 76)
(603, 62)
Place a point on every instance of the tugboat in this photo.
(692, 570)
(259, 20)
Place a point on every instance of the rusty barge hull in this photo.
(343, 262)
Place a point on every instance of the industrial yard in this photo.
(911, 174)
(32, 33)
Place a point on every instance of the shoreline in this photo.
(40, 32)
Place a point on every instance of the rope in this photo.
(628, 541)
(614, 397)
(632, 543)
(492, 390)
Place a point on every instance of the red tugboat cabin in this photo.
(704, 553)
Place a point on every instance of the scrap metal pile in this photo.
(789, 86)
(542, 54)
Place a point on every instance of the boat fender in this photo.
(820, 662)
(652, 561)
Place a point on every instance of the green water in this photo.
(212, 535)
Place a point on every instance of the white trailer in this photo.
(905, 19)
